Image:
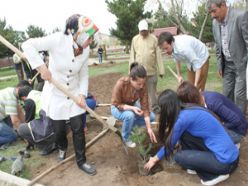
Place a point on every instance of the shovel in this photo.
(108, 124)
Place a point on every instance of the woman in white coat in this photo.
(68, 56)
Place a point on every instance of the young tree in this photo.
(128, 13)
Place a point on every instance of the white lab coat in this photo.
(67, 69)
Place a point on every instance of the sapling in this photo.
(139, 136)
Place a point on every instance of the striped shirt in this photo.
(8, 103)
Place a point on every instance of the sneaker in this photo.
(238, 145)
(88, 168)
(215, 180)
(189, 171)
(130, 144)
(62, 155)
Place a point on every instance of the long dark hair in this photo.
(170, 107)
(137, 71)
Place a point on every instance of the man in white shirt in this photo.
(188, 49)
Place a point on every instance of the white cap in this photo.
(143, 25)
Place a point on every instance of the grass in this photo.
(169, 81)
(30, 164)
(7, 71)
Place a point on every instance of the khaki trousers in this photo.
(203, 76)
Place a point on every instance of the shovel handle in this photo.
(74, 98)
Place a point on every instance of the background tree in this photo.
(202, 26)
(128, 13)
(14, 37)
(175, 15)
(35, 31)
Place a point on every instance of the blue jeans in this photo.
(236, 137)
(197, 157)
(100, 58)
(130, 120)
(7, 134)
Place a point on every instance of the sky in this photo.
(49, 14)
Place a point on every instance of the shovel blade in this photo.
(111, 121)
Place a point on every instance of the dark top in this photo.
(227, 111)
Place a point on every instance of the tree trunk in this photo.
(177, 17)
(203, 26)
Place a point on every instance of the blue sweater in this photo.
(228, 112)
(202, 124)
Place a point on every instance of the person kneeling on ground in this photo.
(130, 103)
(229, 114)
(206, 147)
(38, 129)
(11, 114)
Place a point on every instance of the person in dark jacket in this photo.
(230, 115)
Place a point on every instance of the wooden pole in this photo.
(173, 73)
(75, 99)
(12, 47)
(91, 142)
(103, 104)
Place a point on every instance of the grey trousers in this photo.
(234, 85)
(152, 91)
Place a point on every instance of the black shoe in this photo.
(48, 151)
(88, 168)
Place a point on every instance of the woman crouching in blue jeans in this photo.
(130, 103)
(207, 150)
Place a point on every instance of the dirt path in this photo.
(115, 167)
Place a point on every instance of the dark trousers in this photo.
(46, 144)
(196, 156)
(76, 125)
(234, 85)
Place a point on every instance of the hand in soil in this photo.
(152, 161)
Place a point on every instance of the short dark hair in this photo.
(188, 93)
(23, 83)
(24, 91)
(137, 71)
(72, 24)
(165, 36)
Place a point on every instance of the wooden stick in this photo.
(12, 47)
(91, 142)
(103, 104)
(75, 99)
(173, 73)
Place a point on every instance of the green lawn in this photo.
(169, 81)
(7, 71)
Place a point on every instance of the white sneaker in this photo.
(215, 180)
(130, 144)
(189, 171)
(238, 145)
